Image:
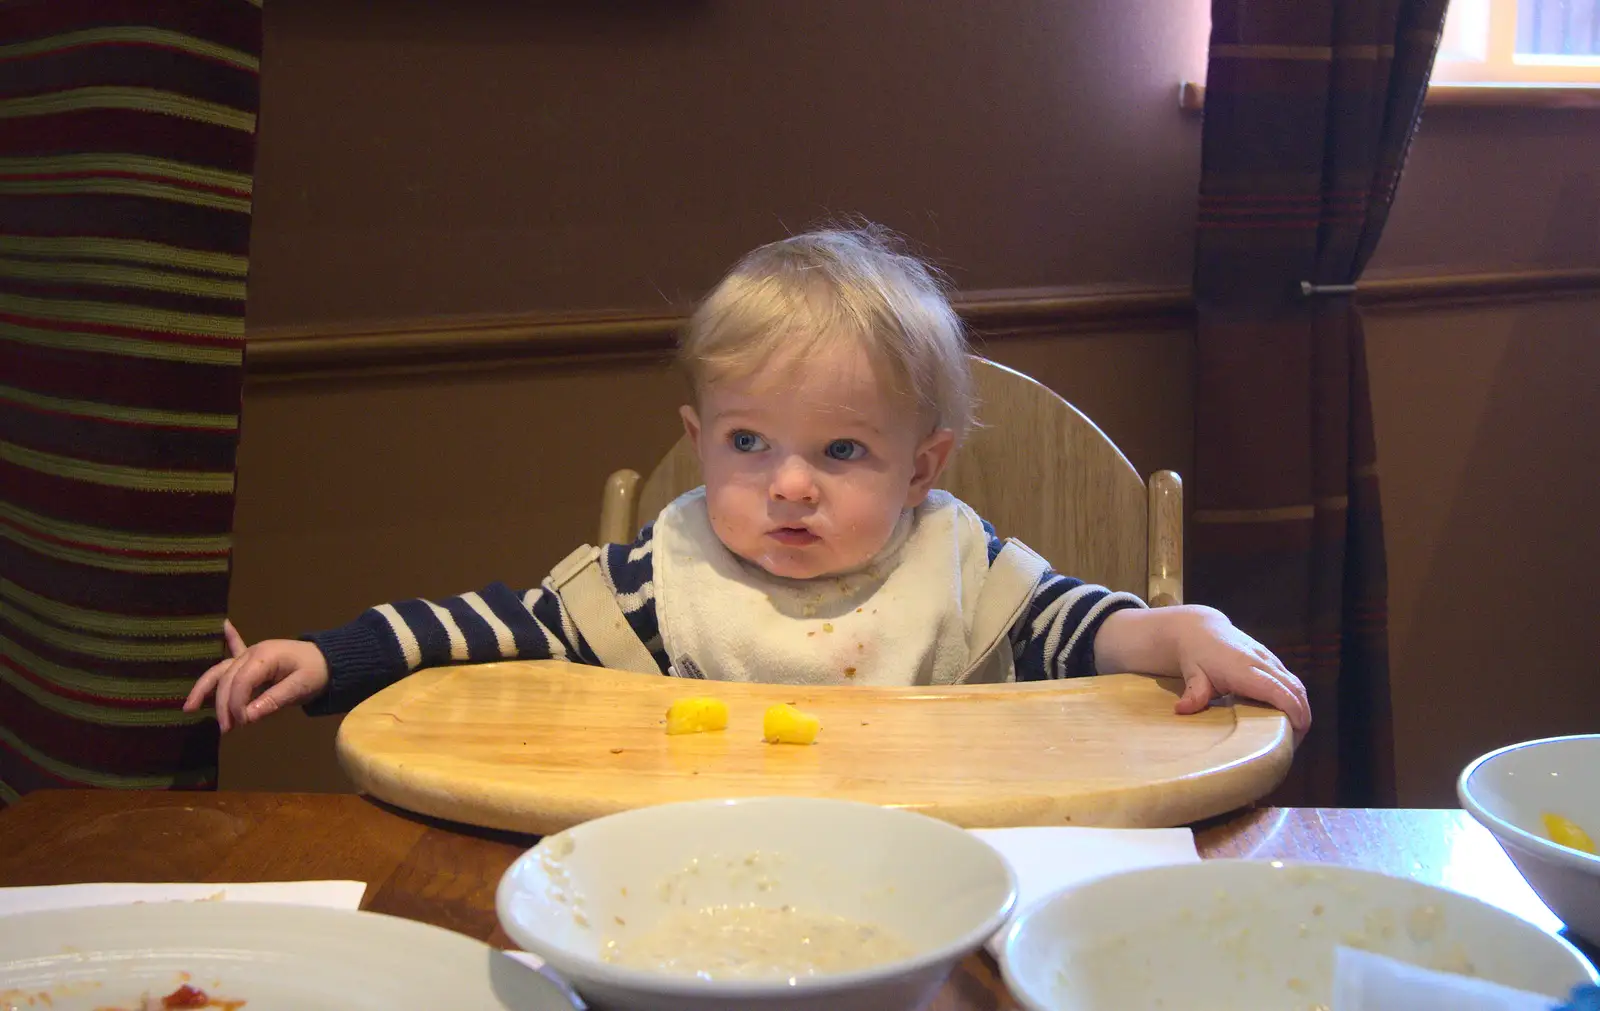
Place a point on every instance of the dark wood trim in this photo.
(1192, 97)
(1061, 310)
(1401, 293)
(1515, 96)
(476, 340)
(273, 351)
(572, 338)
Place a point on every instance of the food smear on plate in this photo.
(784, 724)
(697, 715)
(755, 942)
(1564, 832)
(184, 996)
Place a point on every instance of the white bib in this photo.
(904, 619)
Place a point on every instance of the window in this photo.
(1526, 42)
(1504, 53)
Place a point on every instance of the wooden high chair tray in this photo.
(541, 746)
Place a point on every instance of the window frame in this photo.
(1498, 62)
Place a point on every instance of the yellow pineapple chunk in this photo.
(697, 715)
(784, 724)
(1566, 833)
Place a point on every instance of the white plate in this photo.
(275, 957)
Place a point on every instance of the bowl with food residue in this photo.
(763, 903)
(1241, 935)
(1541, 801)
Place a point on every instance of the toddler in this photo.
(830, 386)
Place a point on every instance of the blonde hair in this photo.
(789, 299)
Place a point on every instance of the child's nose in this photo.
(794, 482)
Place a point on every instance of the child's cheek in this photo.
(730, 516)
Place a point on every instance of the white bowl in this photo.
(1510, 790)
(1242, 935)
(941, 890)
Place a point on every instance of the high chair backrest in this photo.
(1036, 468)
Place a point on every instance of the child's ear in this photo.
(929, 463)
(691, 426)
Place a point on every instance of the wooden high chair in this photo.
(1037, 468)
(1105, 750)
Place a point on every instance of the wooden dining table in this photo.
(445, 874)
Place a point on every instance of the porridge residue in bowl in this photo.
(755, 942)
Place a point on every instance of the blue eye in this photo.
(846, 449)
(747, 442)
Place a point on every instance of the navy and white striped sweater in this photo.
(1053, 639)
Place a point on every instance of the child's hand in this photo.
(296, 671)
(1203, 647)
(1216, 658)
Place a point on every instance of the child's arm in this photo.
(1074, 629)
(333, 670)
(1055, 636)
(1203, 647)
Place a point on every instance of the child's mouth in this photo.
(795, 537)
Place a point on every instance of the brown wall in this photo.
(1485, 418)
(1491, 189)
(500, 157)
(496, 156)
(1487, 453)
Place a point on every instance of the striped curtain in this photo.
(1310, 109)
(127, 139)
